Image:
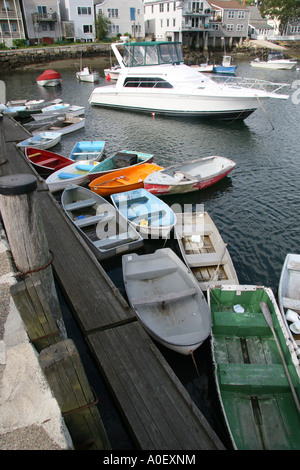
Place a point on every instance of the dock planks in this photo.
(158, 411)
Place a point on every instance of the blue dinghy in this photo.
(88, 150)
(147, 213)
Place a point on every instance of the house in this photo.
(127, 18)
(11, 22)
(196, 24)
(234, 21)
(259, 28)
(42, 22)
(81, 13)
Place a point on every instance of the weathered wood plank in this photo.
(157, 408)
(93, 297)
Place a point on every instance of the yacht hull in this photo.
(177, 105)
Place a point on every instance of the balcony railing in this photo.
(205, 12)
(38, 17)
(10, 14)
(13, 34)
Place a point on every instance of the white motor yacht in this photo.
(154, 79)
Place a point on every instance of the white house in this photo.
(81, 12)
(42, 21)
(126, 17)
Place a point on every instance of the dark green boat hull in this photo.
(254, 391)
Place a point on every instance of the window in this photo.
(152, 9)
(174, 6)
(241, 15)
(230, 15)
(145, 82)
(84, 10)
(229, 27)
(42, 10)
(174, 21)
(44, 26)
(112, 12)
(52, 26)
(87, 28)
(168, 7)
(215, 27)
(161, 7)
(168, 23)
(240, 27)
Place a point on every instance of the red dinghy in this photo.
(46, 162)
(49, 78)
(189, 176)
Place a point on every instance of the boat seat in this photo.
(107, 243)
(137, 218)
(204, 259)
(232, 323)
(135, 200)
(65, 176)
(161, 298)
(252, 378)
(80, 204)
(86, 221)
(293, 265)
(189, 229)
(49, 160)
(293, 304)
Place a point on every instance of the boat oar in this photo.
(115, 179)
(34, 155)
(268, 317)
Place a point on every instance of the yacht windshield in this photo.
(152, 53)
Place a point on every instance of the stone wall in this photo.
(12, 59)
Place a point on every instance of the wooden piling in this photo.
(32, 304)
(24, 227)
(64, 372)
(3, 157)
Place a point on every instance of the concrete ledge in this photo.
(30, 418)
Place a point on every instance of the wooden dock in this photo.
(158, 411)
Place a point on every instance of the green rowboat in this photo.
(259, 403)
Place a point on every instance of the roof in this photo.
(228, 4)
(260, 25)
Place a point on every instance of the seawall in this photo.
(16, 58)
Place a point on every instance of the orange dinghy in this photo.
(125, 179)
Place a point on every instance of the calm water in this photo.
(256, 208)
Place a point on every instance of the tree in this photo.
(102, 24)
(283, 10)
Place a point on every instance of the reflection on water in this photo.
(256, 208)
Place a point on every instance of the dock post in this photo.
(65, 374)
(24, 227)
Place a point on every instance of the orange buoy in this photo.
(108, 77)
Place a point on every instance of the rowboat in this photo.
(147, 213)
(46, 162)
(289, 298)
(76, 173)
(58, 108)
(189, 176)
(167, 300)
(41, 140)
(257, 376)
(125, 179)
(49, 78)
(88, 150)
(65, 125)
(122, 159)
(73, 110)
(91, 214)
(204, 250)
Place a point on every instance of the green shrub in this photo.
(20, 43)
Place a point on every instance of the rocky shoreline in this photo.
(248, 50)
(16, 58)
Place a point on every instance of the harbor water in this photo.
(256, 208)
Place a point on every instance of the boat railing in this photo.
(255, 83)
